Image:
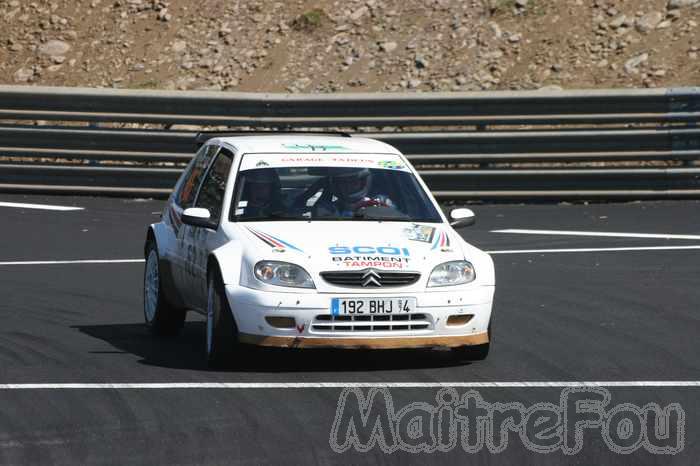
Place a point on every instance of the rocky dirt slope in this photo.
(350, 45)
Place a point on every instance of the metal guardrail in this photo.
(462, 155)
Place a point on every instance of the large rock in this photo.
(619, 21)
(388, 47)
(551, 88)
(672, 4)
(632, 65)
(649, 21)
(179, 46)
(23, 75)
(54, 48)
(359, 13)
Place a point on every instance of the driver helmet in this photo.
(351, 184)
(263, 187)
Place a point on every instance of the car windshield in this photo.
(386, 191)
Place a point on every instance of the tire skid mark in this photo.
(9, 355)
(112, 419)
(44, 349)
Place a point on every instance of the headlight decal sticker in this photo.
(273, 241)
(442, 241)
(422, 233)
(175, 220)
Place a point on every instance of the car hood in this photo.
(339, 245)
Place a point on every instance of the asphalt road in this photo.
(613, 316)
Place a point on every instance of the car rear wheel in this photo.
(473, 352)
(161, 317)
(222, 333)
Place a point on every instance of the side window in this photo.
(211, 195)
(188, 189)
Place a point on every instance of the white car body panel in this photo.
(321, 246)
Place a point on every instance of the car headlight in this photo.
(452, 273)
(283, 274)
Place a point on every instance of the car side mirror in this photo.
(462, 218)
(197, 217)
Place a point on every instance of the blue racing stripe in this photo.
(285, 243)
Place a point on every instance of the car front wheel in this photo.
(222, 333)
(161, 317)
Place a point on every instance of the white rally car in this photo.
(301, 241)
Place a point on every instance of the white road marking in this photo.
(25, 443)
(597, 233)
(87, 261)
(296, 385)
(641, 248)
(20, 205)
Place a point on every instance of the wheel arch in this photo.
(228, 259)
(158, 233)
(150, 236)
(213, 265)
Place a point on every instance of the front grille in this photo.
(370, 323)
(370, 278)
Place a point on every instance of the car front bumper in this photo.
(253, 308)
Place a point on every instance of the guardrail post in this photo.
(684, 100)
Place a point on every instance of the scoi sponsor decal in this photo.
(379, 262)
(384, 257)
(385, 250)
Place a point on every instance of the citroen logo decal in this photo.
(371, 278)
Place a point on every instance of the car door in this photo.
(184, 198)
(201, 241)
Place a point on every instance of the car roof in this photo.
(299, 144)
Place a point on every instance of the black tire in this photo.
(473, 352)
(161, 317)
(221, 337)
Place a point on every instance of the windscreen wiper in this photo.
(380, 213)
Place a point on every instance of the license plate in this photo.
(372, 306)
